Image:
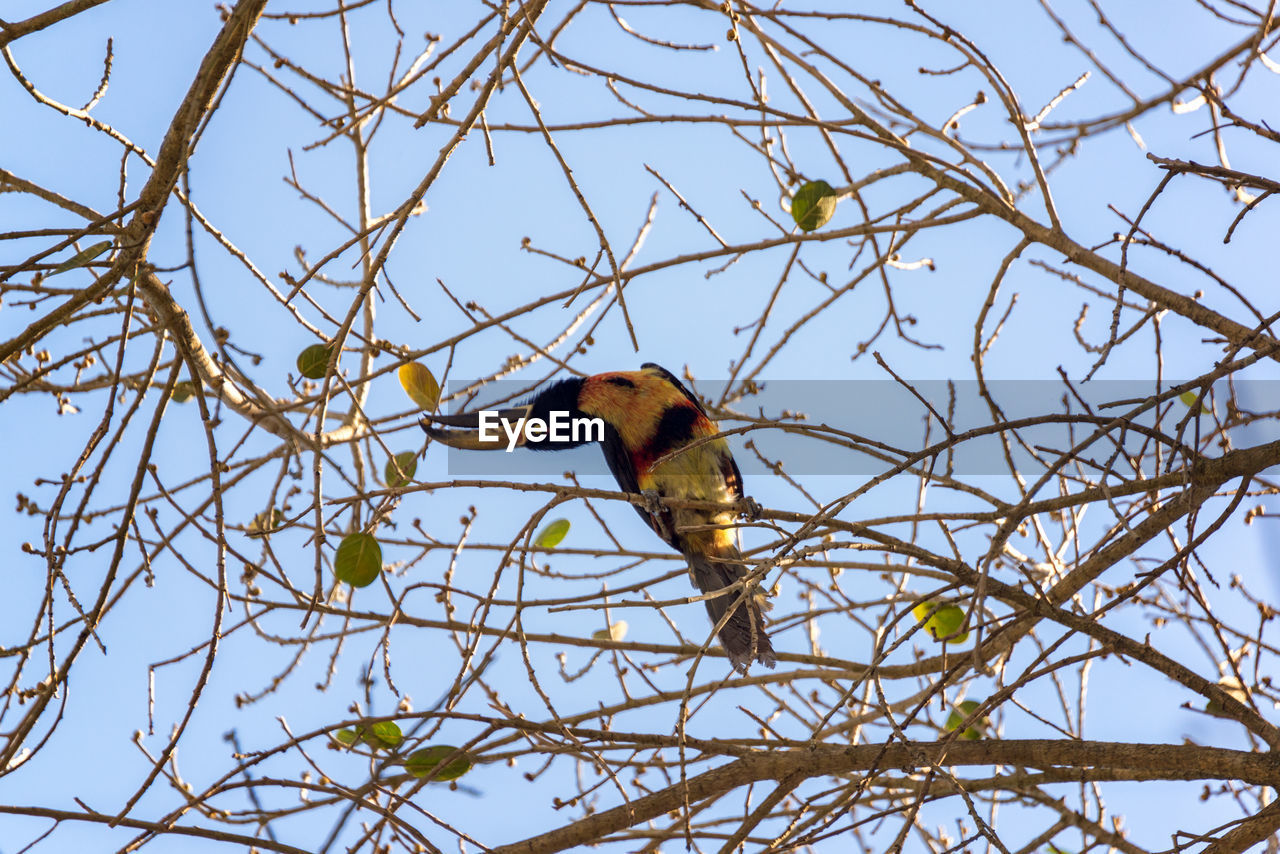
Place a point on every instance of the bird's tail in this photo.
(743, 634)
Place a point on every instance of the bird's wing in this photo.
(732, 477)
(728, 466)
(624, 471)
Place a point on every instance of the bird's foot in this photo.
(751, 510)
(659, 513)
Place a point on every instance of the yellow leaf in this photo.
(420, 385)
(1189, 398)
(1232, 688)
(615, 632)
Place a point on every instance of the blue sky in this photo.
(470, 238)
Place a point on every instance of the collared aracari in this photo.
(649, 416)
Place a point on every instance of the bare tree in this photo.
(761, 191)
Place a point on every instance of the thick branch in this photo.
(1176, 761)
(1250, 832)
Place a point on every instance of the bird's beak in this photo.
(504, 429)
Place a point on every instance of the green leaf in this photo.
(359, 560)
(264, 523)
(399, 469)
(313, 361)
(82, 258)
(420, 385)
(946, 620)
(552, 534)
(813, 205)
(422, 762)
(383, 735)
(962, 711)
(1190, 398)
(183, 391)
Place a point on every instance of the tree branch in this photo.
(1176, 761)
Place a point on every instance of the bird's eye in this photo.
(621, 381)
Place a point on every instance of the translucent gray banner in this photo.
(866, 427)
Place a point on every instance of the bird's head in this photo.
(484, 430)
(632, 403)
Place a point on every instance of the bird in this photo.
(659, 443)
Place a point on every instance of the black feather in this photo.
(671, 378)
(558, 397)
(674, 430)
